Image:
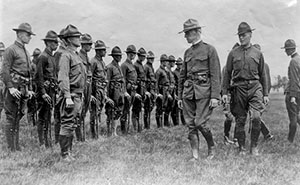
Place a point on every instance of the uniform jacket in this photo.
(201, 61)
(46, 69)
(149, 77)
(162, 79)
(129, 74)
(16, 60)
(141, 77)
(245, 64)
(83, 55)
(99, 73)
(293, 86)
(71, 75)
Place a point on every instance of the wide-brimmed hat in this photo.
(36, 52)
(163, 57)
(142, 52)
(179, 61)
(86, 39)
(24, 27)
(51, 36)
(116, 51)
(71, 31)
(190, 24)
(2, 46)
(244, 28)
(150, 55)
(289, 44)
(61, 33)
(171, 58)
(99, 44)
(131, 49)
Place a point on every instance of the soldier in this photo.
(115, 90)
(176, 111)
(245, 69)
(173, 108)
(62, 48)
(199, 87)
(99, 83)
(141, 90)
(292, 91)
(16, 77)
(130, 77)
(162, 86)
(150, 87)
(86, 46)
(71, 80)
(2, 49)
(32, 106)
(46, 78)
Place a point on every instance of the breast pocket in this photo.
(237, 64)
(254, 64)
(199, 63)
(75, 70)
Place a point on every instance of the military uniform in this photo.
(16, 74)
(130, 77)
(151, 88)
(169, 102)
(47, 84)
(162, 86)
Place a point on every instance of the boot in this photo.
(227, 127)
(139, 123)
(134, 122)
(114, 128)
(9, 137)
(158, 120)
(241, 139)
(64, 144)
(123, 126)
(78, 132)
(210, 142)
(194, 141)
(56, 130)
(17, 135)
(146, 118)
(40, 129)
(292, 132)
(211, 153)
(109, 129)
(166, 120)
(93, 131)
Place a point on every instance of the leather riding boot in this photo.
(194, 141)
(56, 130)
(114, 128)
(64, 143)
(109, 130)
(166, 120)
(158, 120)
(17, 136)
(241, 137)
(40, 129)
(9, 137)
(227, 127)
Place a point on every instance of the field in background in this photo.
(157, 156)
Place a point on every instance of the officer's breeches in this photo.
(136, 111)
(147, 111)
(159, 111)
(124, 119)
(175, 113)
(293, 112)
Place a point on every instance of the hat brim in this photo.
(49, 39)
(16, 29)
(118, 54)
(84, 42)
(73, 35)
(186, 30)
(131, 52)
(288, 47)
(100, 48)
(150, 57)
(246, 31)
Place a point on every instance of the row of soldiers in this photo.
(66, 83)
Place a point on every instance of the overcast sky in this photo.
(154, 24)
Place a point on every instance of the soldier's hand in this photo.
(46, 98)
(266, 100)
(138, 96)
(69, 103)
(180, 104)
(31, 94)
(213, 103)
(93, 99)
(15, 92)
(293, 100)
(225, 98)
(110, 101)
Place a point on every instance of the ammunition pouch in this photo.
(199, 78)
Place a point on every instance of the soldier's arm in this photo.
(108, 77)
(41, 64)
(181, 79)
(262, 75)
(294, 79)
(227, 74)
(157, 80)
(7, 63)
(124, 72)
(215, 73)
(63, 75)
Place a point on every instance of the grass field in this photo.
(157, 156)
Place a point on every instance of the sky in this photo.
(154, 24)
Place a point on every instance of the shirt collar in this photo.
(294, 54)
(18, 43)
(198, 41)
(48, 51)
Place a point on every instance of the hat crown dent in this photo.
(163, 57)
(116, 51)
(71, 31)
(142, 51)
(24, 27)
(131, 49)
(150, 54)
(51, 35)
(86, 38)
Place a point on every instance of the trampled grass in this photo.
(157, 156)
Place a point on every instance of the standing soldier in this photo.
(292, 92)
(62, 48)
(86, 46)
(130, 77)
(46, 78)
(162, 86)
(176, 72)
(17, 80)
(99, 82)
(150, 87)
(71, 80)
(245, 69)
(32, 107)
(138, 101)
(2, 49)
(173, 108)
(115, 90)
(199, 86)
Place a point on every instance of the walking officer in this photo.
(71, 81)
(292, 92)
(162, 87)
(116, 90)
(245, 69)
(176, 111)
(199, 87)
(17, 79)
(130, 77)
(150, 87)
(99, 87)
(46, 78)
